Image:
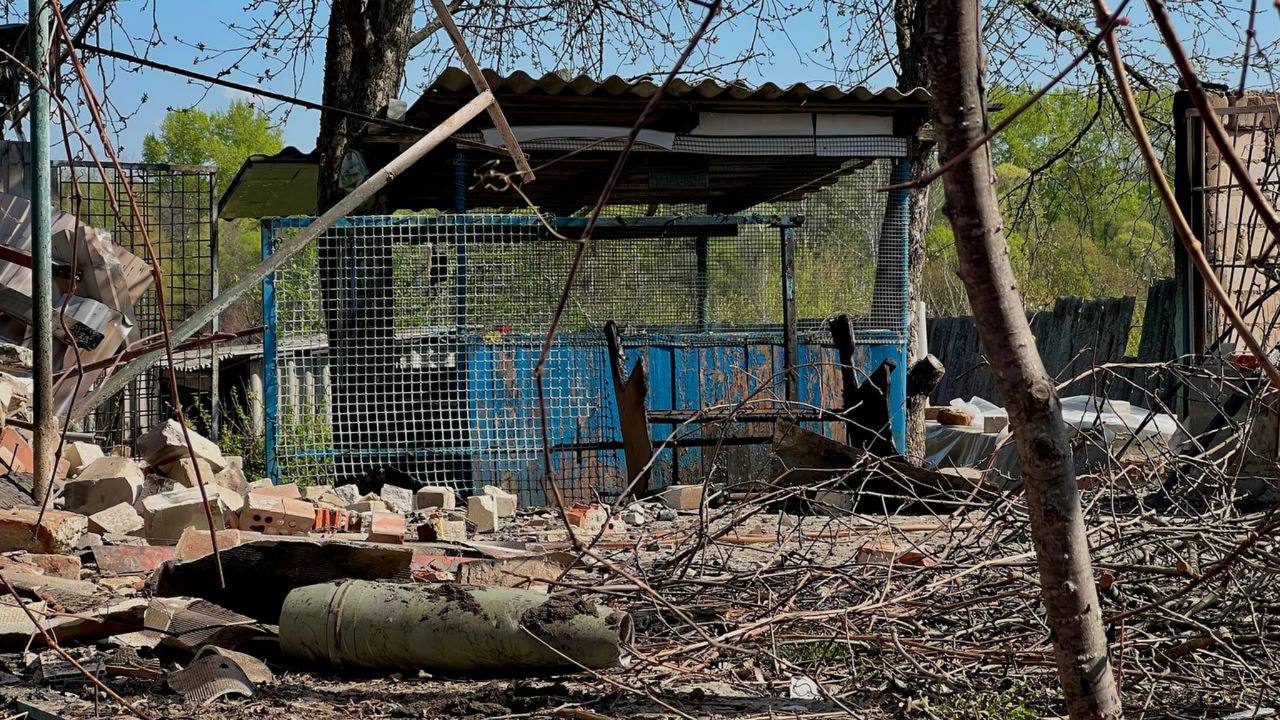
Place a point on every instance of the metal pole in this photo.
(790, 339)
(46, 432)
(704, 290)
(215, 372)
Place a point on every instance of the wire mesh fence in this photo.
(177, 203)
(402, 348)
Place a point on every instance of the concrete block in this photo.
(91, 496)
(323, 495)
(15, 393)
(397, 498)
(285, 490)
(165, 443)
(120, 519)
(15, 358)
(634, 517)
(111, 466)
(482, 512)
(442, 528)
(349, 493)
(682, 497)
(168, 514)
(63, 566)
(183, 472)
(233, 478)
(272, 515)
(506, 502)
(365, 506)
(56, 533)
(195, 543)
(436, 497)
(79, 454)
(994, 422)
(833, 503)
(386, 527)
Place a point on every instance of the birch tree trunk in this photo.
(955, 62)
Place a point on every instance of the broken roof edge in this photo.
(236, 206)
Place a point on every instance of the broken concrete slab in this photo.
(15, 358)
(397, 498)
(261, 573)
(168, 514)
(504, 501)
(435, 497)
(165, 443)
(284, 490)
(482, 512)
(56, 533)
(89, 496)
(110, 466)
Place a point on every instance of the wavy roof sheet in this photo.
(521, 83)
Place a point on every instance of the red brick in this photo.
(57, 533)
(195, 543)
(387, 527)
(63, 566)
(131, 559)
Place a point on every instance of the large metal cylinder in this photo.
(448, 628)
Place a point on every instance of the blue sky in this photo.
(145, 95)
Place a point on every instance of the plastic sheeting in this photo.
(1113, 422)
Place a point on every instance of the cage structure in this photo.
(177, 202)
(402, 348)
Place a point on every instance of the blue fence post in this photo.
(901, 204)
(270, 381)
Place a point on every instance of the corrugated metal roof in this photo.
(521, 83)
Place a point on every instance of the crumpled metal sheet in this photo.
(190, 623)
(209, 677)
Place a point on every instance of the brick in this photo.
(954, 416)
(442, 528)
(386, 527)
(168, 514)
(435, 497)
(57, 532)
(63, 566)
(330, 519)
(15, 451)
(232, 478)
(111, 466)
(482, 512)
(120, 519)
(183, 472)
(589, 518)
(195, 543)
(682, 497)
(165, 443)
(505, 501)
(91, 496)
(397, 498)
(131, 559)
(272, 515)
(79, 454)
(874, 552)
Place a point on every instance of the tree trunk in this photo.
(909, 18)
(1057, 522)
(365, 55)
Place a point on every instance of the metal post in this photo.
(215, 372)
(460, 243)
(704, 291)
(46, 432)
(271, 382)
(790, 340)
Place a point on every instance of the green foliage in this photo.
(1080, 214)
(225, 138)
(985, 706)
(237, 437)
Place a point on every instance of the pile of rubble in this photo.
(119, 572)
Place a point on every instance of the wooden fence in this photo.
(1073, 337)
